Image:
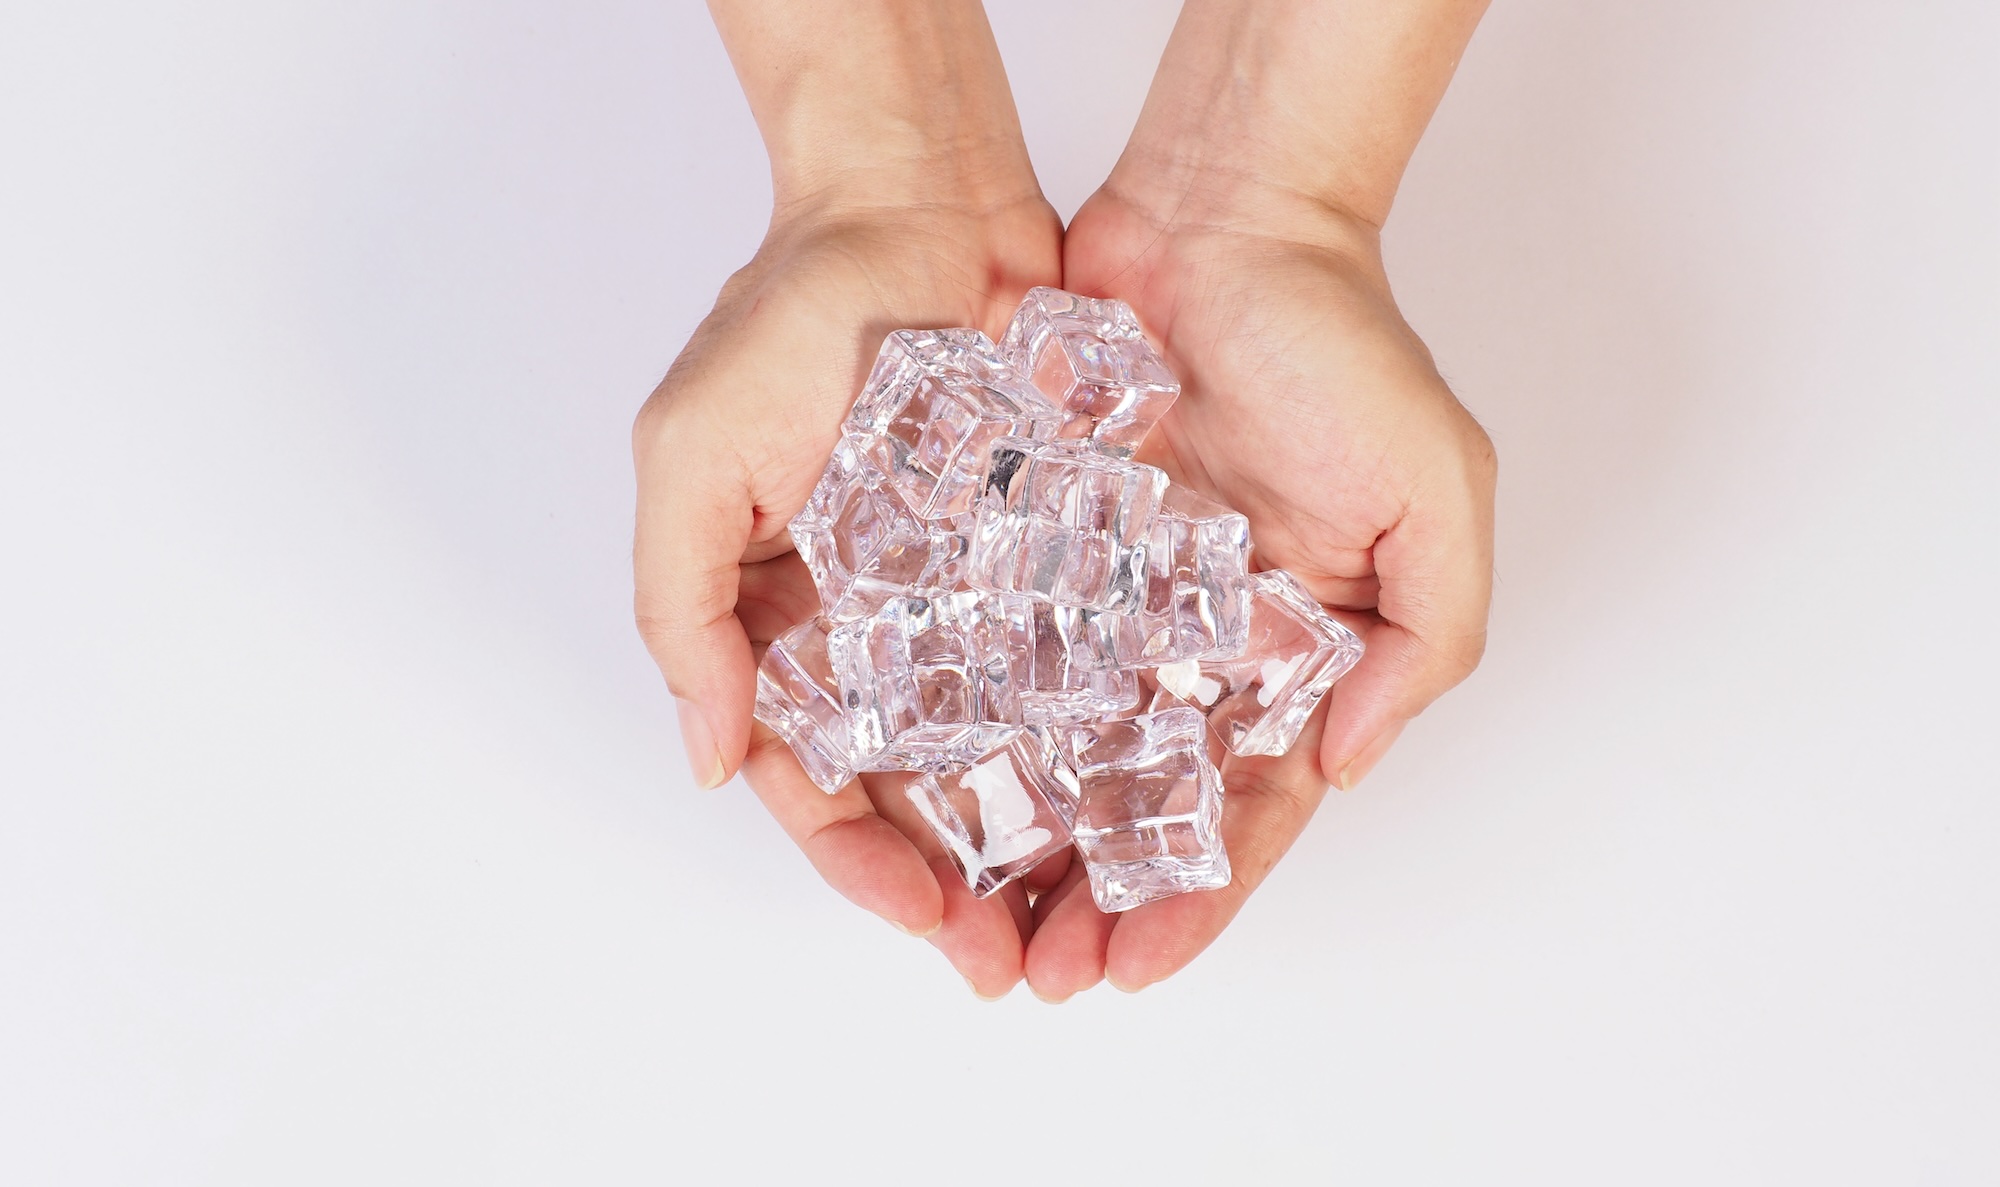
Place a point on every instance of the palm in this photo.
(1302, 384)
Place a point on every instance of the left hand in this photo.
(1309, 405)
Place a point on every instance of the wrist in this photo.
(1186, 191)
(1226, 174)
(1293, 103)
(874, 103)
(817, 173)
(979, 241)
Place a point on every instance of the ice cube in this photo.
(1154, 698)
(1149, 809)
(932, 408)
(925, 683)
(1259, 701)
(865, 546)
(1002, 815)
(798, 699)
(1062, 666)
(1197, 593)
(1063, 523)
(1092, 357)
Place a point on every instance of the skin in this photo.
(1242, 224)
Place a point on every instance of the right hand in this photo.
(727, 450)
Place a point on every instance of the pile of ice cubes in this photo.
(1059, 640)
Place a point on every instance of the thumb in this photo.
(694, 520)
(1435, 568)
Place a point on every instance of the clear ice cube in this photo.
(1002, 815)
(1259, 701)
(865, 546)
(1061, 662)
(1155, 699)
(1063, 523)
(1149, 809)
(931, 410)
(1197, 593)
(799, 700)
(1091, 355)
(925, 683)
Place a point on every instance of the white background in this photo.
(344, 831)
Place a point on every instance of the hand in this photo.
(727, 450)
(1309, 405)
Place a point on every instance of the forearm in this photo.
(869, 100)
(1318, 100)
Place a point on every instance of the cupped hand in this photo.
(1309, 405)
(727, 450)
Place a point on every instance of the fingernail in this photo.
(703, 757)
(1053, 1001)
(914, 934)
(979, 995)
(1358, 767)
(1120, 986)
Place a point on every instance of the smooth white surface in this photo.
(344, 833)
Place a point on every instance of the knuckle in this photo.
(765, 748)
(665, 416)
(653, 424)
(1482, 460)
(678, 614)
(683, 629)
(1462, 653)
(815, 843)
(654, 628)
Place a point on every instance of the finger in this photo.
(1435, 569)
(1066, 953)
(861, 855)
(1054, 896)
(980, 937)
(1045, 876)
(1265, 807)
(1342, 577)
(694, 518)
(774, 596)
(1344, 593)
(1020, 910)
(777, 544)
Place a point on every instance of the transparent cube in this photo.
(1061, 658)
(1196, 603)
(932, 408)
(865, 546)
(925, 683)
(1063, 523)
(1149, 808)
(1002, 815)
(1092, 357)
(799, 700)
(1259, 701)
